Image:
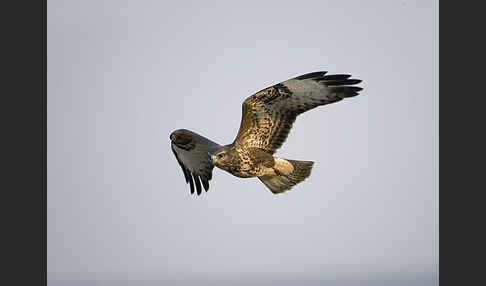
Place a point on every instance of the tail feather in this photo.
(285, 178)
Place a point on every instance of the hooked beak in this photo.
(210, 158)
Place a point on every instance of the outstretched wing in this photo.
(268, 115)
(191, 151)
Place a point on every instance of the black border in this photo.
(461, 126)
(24, 134)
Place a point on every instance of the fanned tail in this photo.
(288, 173)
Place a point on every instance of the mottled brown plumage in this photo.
(267, 117)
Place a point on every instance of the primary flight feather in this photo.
(267, 117)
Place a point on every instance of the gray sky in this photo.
(122, 75)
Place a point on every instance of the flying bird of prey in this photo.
(267, 117)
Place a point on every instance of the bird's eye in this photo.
(220, 155)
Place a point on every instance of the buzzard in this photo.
(267, 117)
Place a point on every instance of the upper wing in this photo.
(268, 115)
(191, 151)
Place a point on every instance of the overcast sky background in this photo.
(122, 75)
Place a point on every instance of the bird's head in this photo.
(223, 157)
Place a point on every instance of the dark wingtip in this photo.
(342, 82)
(355, 88)
(198, 184)
(312, 75)
(336, 77)
(347, 91)
(191, 184)
(330, 80)
(205, 184)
